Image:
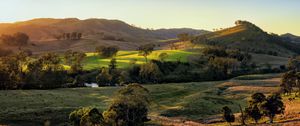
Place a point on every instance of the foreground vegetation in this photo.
(192, 101)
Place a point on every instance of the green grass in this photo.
(195, 100)
(93, 61)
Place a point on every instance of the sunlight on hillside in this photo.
(93, 61)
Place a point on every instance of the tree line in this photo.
(214, 63)
(69, 36)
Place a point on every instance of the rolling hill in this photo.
(248, 37)
(290, 37)
(43, 33)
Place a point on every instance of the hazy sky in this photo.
(278, 16)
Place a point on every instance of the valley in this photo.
(153, 77)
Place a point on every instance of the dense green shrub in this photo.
(86, 117)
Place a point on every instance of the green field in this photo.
(195, 100)
(93, 61)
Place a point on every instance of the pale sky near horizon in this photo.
(278, 16)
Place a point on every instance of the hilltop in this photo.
(290, 37)
(248, 37)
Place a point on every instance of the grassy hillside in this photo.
(193, 101)
(275, 61)
(93, 61)
(247, 37)
(47, 28)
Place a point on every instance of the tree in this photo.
(74, 59)
(68, 36)
(115, 74)
(113, 65)
(220, 67)
(145, 50)
(288, 81)
(86, 117)
(163, 56)
(254, 113)
(129, 107)
(272, 106)
(150, 72)
(79, 35)
(107, 51)
(46, 72)
(294, 64)
(104, 78)
(73, 35)
(228, 115)
(257, 98)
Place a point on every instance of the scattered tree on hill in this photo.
(145, 50)
(273, 106)
(87, 117)
(294, 64)
(228, 115)
(288, 81)
(257, 98)
(254, 113)
(69, 36)
(253, 110)
(129, 107)
(107, 51)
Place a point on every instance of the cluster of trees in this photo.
(145, 50)
(215, 64)
(258, 106)
(23, 71)
(291, 79)
(128, 108)
(74, 60)
(69, 36)
(19, 71)
(107, 51)
(17, 39)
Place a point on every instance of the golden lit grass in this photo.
(228, 31)
(93, 61)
